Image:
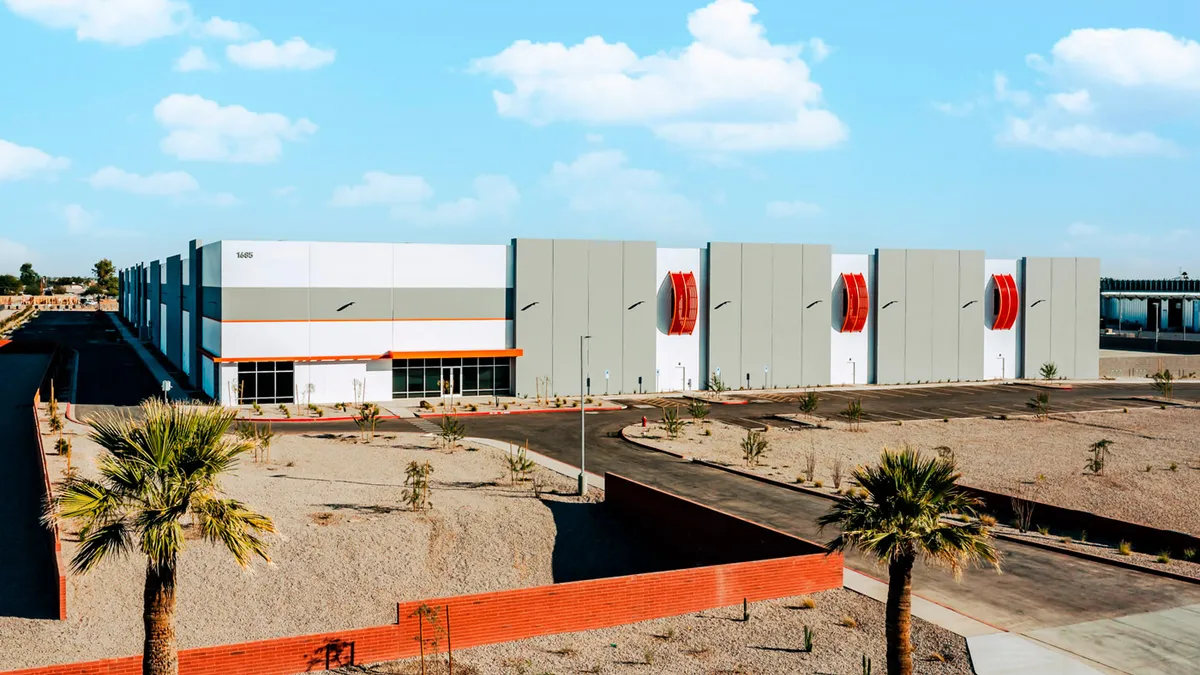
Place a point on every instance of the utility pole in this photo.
(582, 422)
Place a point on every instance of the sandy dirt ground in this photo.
(347, 550)
(1152, 475)
(717, 641)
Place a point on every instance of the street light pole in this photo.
(582, 423)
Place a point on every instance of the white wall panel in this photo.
(332, 382)
(424, 336)
(349, 338)
(272, 264)
(210, 335)
(207, 373)
(210, 264)
(283, 339)
(673, 351)
(1000, 359)
(451, 266)
(186, 273)
(227, 373)
(350, 265)
(379, 380)
(849, 353)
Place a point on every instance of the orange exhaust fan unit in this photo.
(855, 302)
(1004, 302)
(685, 305)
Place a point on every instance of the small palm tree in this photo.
(897, 517)
(156, 474)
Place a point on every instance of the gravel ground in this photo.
(1042, 460)
(347, 549)
(1148, 560)
(717, 641)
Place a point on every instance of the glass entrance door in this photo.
(451, 380)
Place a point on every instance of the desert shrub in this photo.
(1164, 557)
(1100, 451)
(835, 472)
(1048, 371)
(754, 447)
(671, 421)
(1043, 530)
(367, 419)
(807, 603)
(1022, 513)
(810, 402)
(63, 447)
(717, 385)
(810, 464)
(707, 431)
(256, 408)
(945, 453)
(1163, 383)
(451, 431)
(987, 520)
(1189, 554)
(519, 464)
(1040, 403)
(698, 410)
(853, 413)
(416, 481)
(809, 634)
(848, 621)
(1173, 466)
(1124, 548)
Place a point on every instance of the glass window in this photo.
(470, 378)
(432, 376)
(470, 362)
(416, 381)
(266, 381)
(502, 382)
(246, 386)
(485, 378)
(284, 385)
(399, 382)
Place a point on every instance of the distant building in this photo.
(1170, 305)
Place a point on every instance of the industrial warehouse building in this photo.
(1171, 305)
(323, 322)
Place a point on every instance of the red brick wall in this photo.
(502, 616)
(47, 494)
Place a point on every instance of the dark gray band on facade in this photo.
(357, 304)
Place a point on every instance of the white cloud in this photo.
(792, 209)
(13, 254)
(284, 191)
(224, 199)
(203, 130)
(1006, 95)
(119, 22)
(1132, 57)
(495, 198)
(19, 161)
(1080, 229)
(594, 139)
(954, 109)
(295, 54)
(602, 183)
(195, 59)
(730, 89)
(1085, 139)
(223, 29)
(820, 50)
(79, 220)
(158, 184)
(383, 188)
(1075, 102)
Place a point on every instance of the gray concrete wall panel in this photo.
(604, 322)
(533, 315)
(1062, 315)
(815, 301)
(348, 304)
(945, 311)
(193, 297)
(787, 314)
(890, 304)
(263, 304)
(724, 313)
(448, 303)
(1087, 318)
(155, 295)
(971, 280)
(1035, 303)
(173, 298)
(756, 315)
(918, 315)
(570, 288)
(210, 301)
(638, 342)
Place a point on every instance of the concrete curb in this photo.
(487, 413)
(286, 420)
(1097, 558)
(715, 402)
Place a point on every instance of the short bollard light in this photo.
(643, 421)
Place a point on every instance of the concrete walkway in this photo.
(177, 392)
(1166, 642)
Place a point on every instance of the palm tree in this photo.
(898, 517)
(156, 474)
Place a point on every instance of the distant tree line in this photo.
(102, 282)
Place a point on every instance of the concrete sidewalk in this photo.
(1166, 642)
(177, 393)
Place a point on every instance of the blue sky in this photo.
(128, 127)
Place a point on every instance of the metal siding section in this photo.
(1035, 306)
(263, 304)
(1062, 316)
(638, 348)
(1087, 318)
(724, 312)
(604, 308)
(918, 315)
(787, 312)
(944, 310)
(890, 307)
(355, 303)
(815, 300)
(533, 314)
(570, 293)
(971, 281)
(756, 328)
